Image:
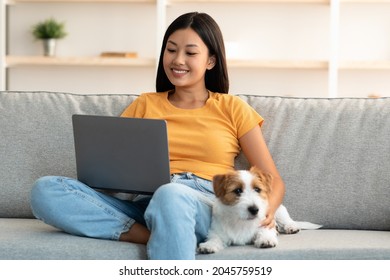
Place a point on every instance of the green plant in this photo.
(49, 29)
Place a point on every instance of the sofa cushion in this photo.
(32, 239)
(37, 139)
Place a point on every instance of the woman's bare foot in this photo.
(136, 234)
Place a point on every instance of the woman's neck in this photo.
(187, 99)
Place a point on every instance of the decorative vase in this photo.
(49, 47)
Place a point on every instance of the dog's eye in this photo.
(257, 189)
(238, 191)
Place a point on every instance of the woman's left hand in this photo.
(269, 221)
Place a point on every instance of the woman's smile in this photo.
(186, 59)
(179, 72)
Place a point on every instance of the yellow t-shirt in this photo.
(202, 141)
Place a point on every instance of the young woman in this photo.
(207, 128)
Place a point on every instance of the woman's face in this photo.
(186, 59)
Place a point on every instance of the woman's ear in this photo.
(211, 63)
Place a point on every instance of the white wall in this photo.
(364, 35)
(92, 28)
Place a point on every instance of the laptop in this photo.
(121, 154)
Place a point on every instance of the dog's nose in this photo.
(253, 210)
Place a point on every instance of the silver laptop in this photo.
(121, 154)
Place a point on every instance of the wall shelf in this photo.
(14, 61)
(278, 64)
(254, 1)
(175, 1)
(79, 1)
(364, 1)
(364, 65)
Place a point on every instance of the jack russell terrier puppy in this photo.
(241, 204)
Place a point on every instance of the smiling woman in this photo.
(186, 59)
(203, 32)
(207, 129)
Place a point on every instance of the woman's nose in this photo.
(179, 58)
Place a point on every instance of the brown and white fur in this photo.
(241, 204)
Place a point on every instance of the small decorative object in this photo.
(119, 54)
(49, 31)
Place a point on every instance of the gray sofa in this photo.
(334, 155)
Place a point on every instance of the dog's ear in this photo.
(219, 182)
(264, 177)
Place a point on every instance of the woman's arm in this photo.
(256, 151)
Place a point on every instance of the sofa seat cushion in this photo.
(36, 240)
(323, 244)
(31, 239)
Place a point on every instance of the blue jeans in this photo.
(178, 214)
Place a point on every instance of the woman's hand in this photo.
(269, 221)
(256, 151)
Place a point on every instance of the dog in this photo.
(240, 206)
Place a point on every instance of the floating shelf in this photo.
(279, 64)
(12, 61)
(80, 1)
(252, 1)
(364, 65)
(365, 1)
(198, 1)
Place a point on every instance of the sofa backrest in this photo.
(37, 139)
(333, 154)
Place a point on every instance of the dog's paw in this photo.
(209, 247)
(266, 238)
(202, 249)
(263, 242)
(290, 228)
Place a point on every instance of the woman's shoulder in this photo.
(153, 95)
(140, 105)
(227, 99)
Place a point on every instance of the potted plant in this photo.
(49, 31)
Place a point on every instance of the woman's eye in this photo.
(191, 53)
(170, 50)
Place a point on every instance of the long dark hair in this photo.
(216, 79)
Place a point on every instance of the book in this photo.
(119, 54)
